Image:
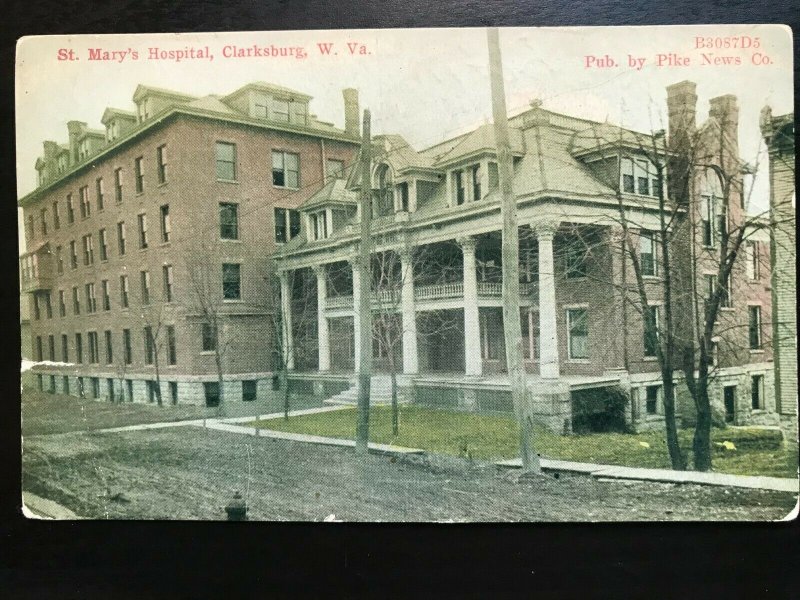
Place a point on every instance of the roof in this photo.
(479, 140)
(111, 113)
(264, 86)
(144, 90)
(334, 192)
(212, 103)
(398, 153)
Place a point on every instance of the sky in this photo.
(424, 84)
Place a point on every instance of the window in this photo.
(287, 224)
(754, 327)
(48, 306)
(334, 168)
(138, 171)
(627, 176)
(280, 110)
(144, 277)
(109, 348)
(36, 312)
(142, 219)
(59, 260)
(31, 230)
(751, 258)
(121, 237)
(226, 161)
(78, 348)
(51, 347)
(149, 345)
(118, 184)
(124, 291)
(403, 189)
(168, 283)
(126, 349)
(652, 392)
(578, 333)
(83, 199)
(64, 349)
(458, 181)
(94, 349)
(106, 291)
(101, 200)
(285, 169)
(757, 392)
(726, 299)
(647, 253)
(280, 225)
(62, 304)
(76, 301)
(319, 225)
(642, 179)
(65, 385)
(231, 281)
(260, 106)
(166, 224)
(56, 216)
(172, 356)
(651, 331)
(143, 109)
(39, 350)
(91, 301)
(637, 177)
(209, 335)
(228, 221)
(161, 160)
(211, 390)
(707, 220)
(476, 182)
(43, 220)
(129, 385)
(248, 390)
(103, 239)
(88, 250)
(70, 209)
(110, 388)
(173, 392)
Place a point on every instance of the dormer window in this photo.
(280, 110)
(460, 190)
(40, 177)
(319, 225)
(385, 194)
(639, 176)
(476, 182)
(143, 109)
(112, 131)
(62, 163)
(260, 106)
(83, 150)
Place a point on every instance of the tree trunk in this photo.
(220, 383)
(675, 453)
(395, 410)
(701, 444)
(286, 399)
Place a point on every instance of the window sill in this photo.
(649, 359)
(233, 300)
(165, 244)
(139, 194)
(234, 181)
(163, 184)
(727, 309)
(285, 187)
(234, 240)
(579, 361)
(756, 351)
(758, 411)
(207, 352)
(651, 277)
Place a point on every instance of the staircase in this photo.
(380, 392)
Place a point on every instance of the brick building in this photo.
(778, 132)
(437, 212)
(135, 231)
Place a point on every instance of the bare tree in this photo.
(153, 318)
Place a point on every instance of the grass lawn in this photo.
(757, 452)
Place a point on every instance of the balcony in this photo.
(36, 270)
(439, 291)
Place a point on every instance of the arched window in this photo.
(385, 194)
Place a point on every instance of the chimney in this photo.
(75, 129)
(351, 120)
(50, 149)
(725, 110)
(682, 109)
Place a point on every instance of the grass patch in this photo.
(758, 452)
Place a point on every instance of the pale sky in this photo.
(424, 84)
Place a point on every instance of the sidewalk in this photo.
(780, 484)
(36, 507)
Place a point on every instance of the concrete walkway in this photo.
(780, 484)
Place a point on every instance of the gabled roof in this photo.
(112, 113)
(605, 136)
(270, 88)
(212, 103)
(397, 152)
(145, 90)
(475, 142)
(96, 133)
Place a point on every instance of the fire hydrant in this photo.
(237, 508)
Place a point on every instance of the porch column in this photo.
(412, 195)
(356, 304)
(410, 357)
(286, 320)
(323, 336)
(472, 331)
(548, 360)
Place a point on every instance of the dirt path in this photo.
(191, 473)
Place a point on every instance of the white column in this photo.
(412, 195)
(410, 355)
(548, 334)
(356, 304)
(286, 320)
(484, 177)
(323, 336)
(472, 331)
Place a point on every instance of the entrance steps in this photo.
(380, 392)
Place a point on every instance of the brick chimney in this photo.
(682, 109)
(351, 120)
(725, 110)
(75, 129)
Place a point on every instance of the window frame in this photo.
(227, 281)
(284, 170)
(230, 162)
(138, 174)
(161, 164)
(224, 226)
(571, 326)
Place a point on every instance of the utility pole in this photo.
(364, 316)
(512, 328)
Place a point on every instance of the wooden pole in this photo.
(512, 328)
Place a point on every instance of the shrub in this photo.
(599, 410)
